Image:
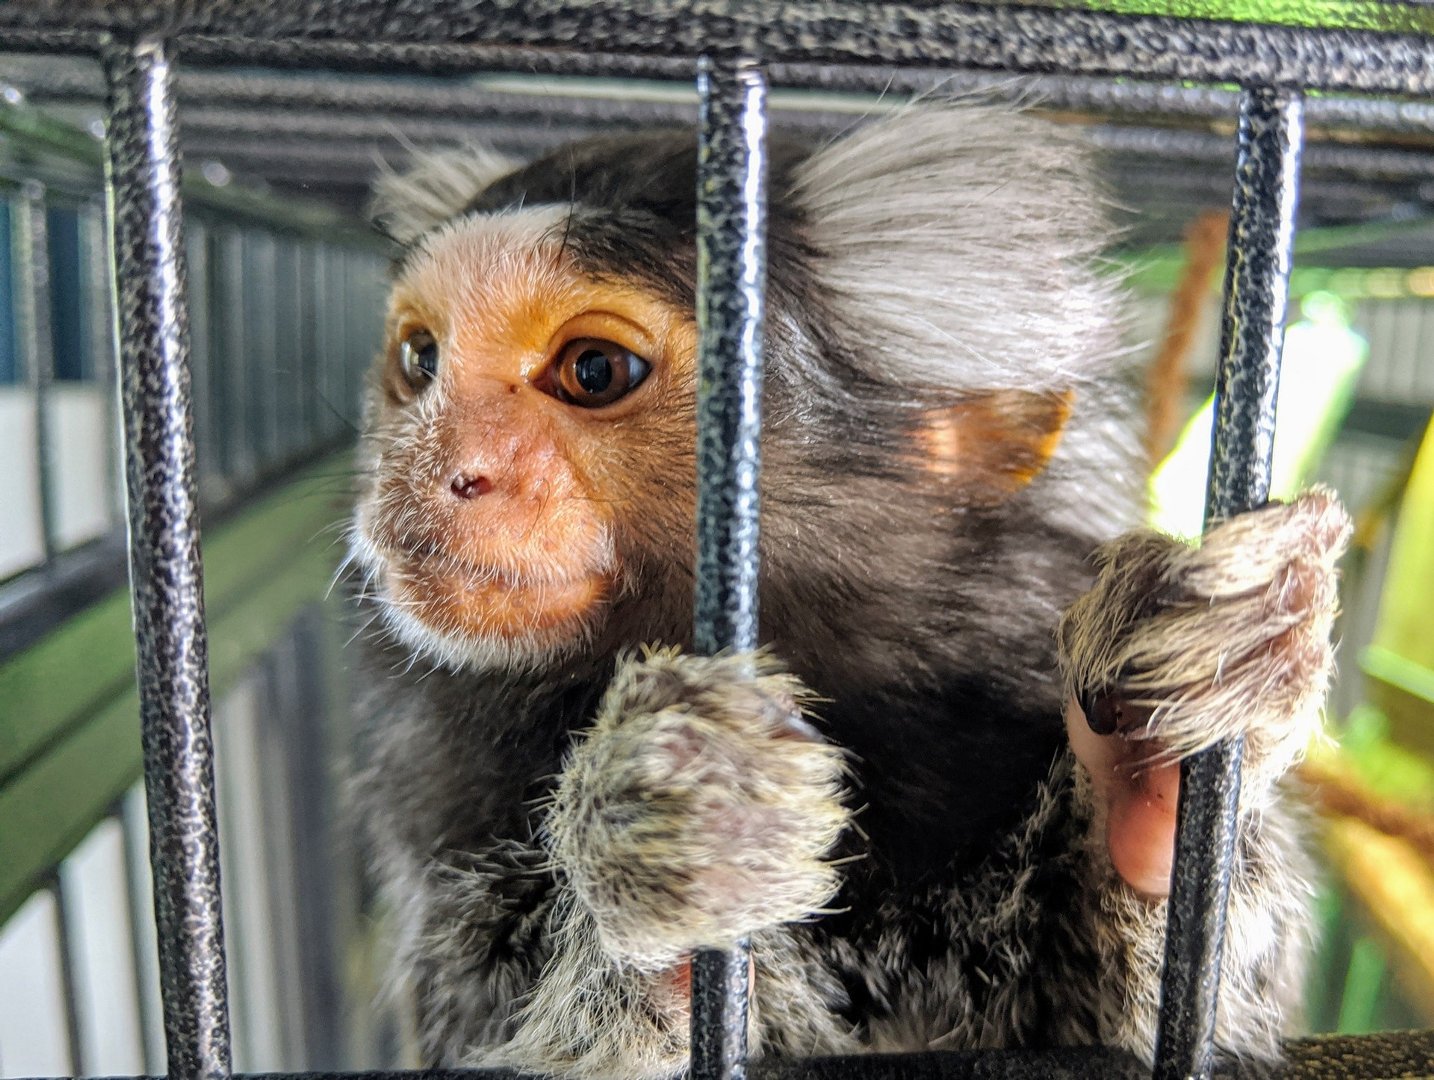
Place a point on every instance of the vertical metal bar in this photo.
(261, 337)
(137, 904)
(1262, 231)
(201, 356)
(731, 282)
(34, 315)
(308, 374)
(283, 378)
(346, 331)
(241, 456)
(328, 364)
(69, 983)
(166, 577)
(99, 287)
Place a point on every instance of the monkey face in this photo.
(523, 416)
(529, 444)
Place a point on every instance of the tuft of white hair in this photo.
(963, 242)
(436, 186)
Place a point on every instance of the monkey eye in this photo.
(591, 373)
(418, 356)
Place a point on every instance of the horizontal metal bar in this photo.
(35, 604)
(74, 80)
(1015, 38)
(307, 127)
(560, 96)
(1341, 159)
(41, 133)
(1383, 1056)
(317, 134)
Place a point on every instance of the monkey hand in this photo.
(699, 808)
(1176, 647)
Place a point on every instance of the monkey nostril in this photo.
(470, 487)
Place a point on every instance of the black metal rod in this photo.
(203, 405)
(731, 283)
(247, 95)
(138, 901)
(1261, 245)
(241, 458)
(166, 577)
(1383, 48)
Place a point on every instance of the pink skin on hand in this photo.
(1138, 797)
(675, 984)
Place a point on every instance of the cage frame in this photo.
(1384, 51)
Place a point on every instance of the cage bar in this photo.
(64, 921)
(217, 98)
(34, 318)
(436, 35)
(138, 900)
(99, 283)
(731, 282)
(1260, 253)
(142, 178)
(1383, 48)
(202, 361)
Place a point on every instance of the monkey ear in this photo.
(436, 186)
(992, 445)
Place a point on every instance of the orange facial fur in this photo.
(526, 562)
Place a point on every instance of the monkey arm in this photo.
(696, 810)
(1173, 649)
(1266, 937)
(507, 969)
(699, 808)
(474, 936)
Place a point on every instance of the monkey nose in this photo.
(470, 487)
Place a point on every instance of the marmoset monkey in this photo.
(940, 801)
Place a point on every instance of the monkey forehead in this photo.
(473, 261)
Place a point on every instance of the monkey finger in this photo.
(1136, 793)
(1249, 551)
(1140, 825)
(1203, 643)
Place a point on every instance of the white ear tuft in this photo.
(962, 241)
(436, 186)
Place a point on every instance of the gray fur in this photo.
(550, 835)
(1228, 638)
(437, 186)
(1008, 192)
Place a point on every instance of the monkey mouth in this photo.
(415, 557)
(455, 595)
